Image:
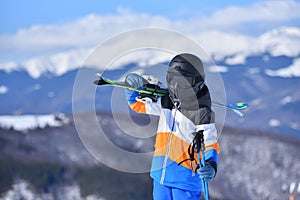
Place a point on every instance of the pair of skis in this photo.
(159, 92)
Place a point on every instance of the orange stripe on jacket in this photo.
(139, 107)
(179, 152)
(178, 149)
(161, 143)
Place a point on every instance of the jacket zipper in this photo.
(168, 151)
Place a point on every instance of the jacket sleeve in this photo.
(143, 105)
(207, 124)
(212, 148)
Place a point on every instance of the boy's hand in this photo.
(135, 80)
(207, 173)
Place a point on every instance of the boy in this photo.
(184, 112)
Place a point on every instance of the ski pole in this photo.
(235, 107)
(200, 146)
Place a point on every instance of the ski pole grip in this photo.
(202, 141)
(199, 141)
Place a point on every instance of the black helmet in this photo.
(185, 77)
(187, 63)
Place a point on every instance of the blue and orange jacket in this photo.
(174, 135)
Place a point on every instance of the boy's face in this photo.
(180, 80)
(183, 86)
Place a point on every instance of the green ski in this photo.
(156, 91)
(149, 89)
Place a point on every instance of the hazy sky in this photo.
(31, 28)
(20, 14)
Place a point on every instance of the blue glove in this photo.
(136, 81)
(207, 173)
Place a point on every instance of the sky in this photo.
(19, 14)
(32, 28)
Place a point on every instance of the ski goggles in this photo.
(182, 81)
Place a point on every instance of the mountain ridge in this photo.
(281, 41)
(272, 99)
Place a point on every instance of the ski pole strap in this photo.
(195, 147)
(191, 158)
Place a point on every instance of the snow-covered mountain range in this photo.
(231, 47)
(263, 70)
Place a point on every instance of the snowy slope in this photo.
(272, 99)
(283, 41)
(24, 123)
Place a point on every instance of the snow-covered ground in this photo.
(24, 123)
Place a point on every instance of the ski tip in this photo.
(239, 105)
(96, 82)
(98, 75)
